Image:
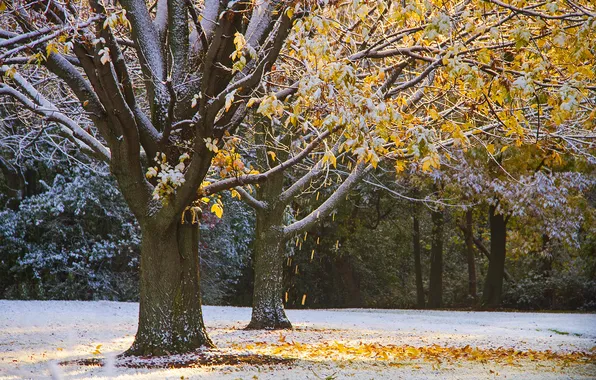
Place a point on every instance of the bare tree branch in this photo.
(257, 178)
(250, 200)
(330, 203)
(37, 103)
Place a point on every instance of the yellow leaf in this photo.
(490, 148)
(217, 210)
(330, 157)
(413, 351)
(400, 166)
(97, 352)
(10, 72)
(51, 48)
(433, 114)
(230, 99)
(272, 154)
(251, 101)
(484, 56)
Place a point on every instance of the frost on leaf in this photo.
(104, 55)
(168, 178)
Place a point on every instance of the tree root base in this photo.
(141, 350)
(279, 325)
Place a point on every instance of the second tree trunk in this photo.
(267, 306)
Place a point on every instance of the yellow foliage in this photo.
(433, 354)
(217, 209)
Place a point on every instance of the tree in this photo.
(377, 80)
(435, 293)
(532, 188)
(467, 228)
(276, 149)
(272, 234)
(493, 284)
(420, 302)
(172, 128)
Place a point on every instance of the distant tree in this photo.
(533, 187)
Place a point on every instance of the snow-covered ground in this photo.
(35, 335)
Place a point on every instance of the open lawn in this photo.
(36, 336)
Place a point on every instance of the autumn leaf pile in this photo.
(396, 355)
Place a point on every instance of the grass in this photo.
(559, 332)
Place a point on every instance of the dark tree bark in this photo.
(267, 307)
(486, 253)
(350, 281)
(417, 261)
(468, 236)
(435, 299)
(170, 315)
(493, 285)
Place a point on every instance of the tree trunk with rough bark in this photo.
(435, 299)
(270, 241)
(267, 306)
(170, 315)
(493, 285)
(417, 262)
(472, 289)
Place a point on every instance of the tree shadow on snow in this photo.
(192, 360)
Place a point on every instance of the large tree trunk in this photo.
(170, 316)
(435, 299)
(493, 285)
(267, 305)
(417, 262)
(472, 290)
